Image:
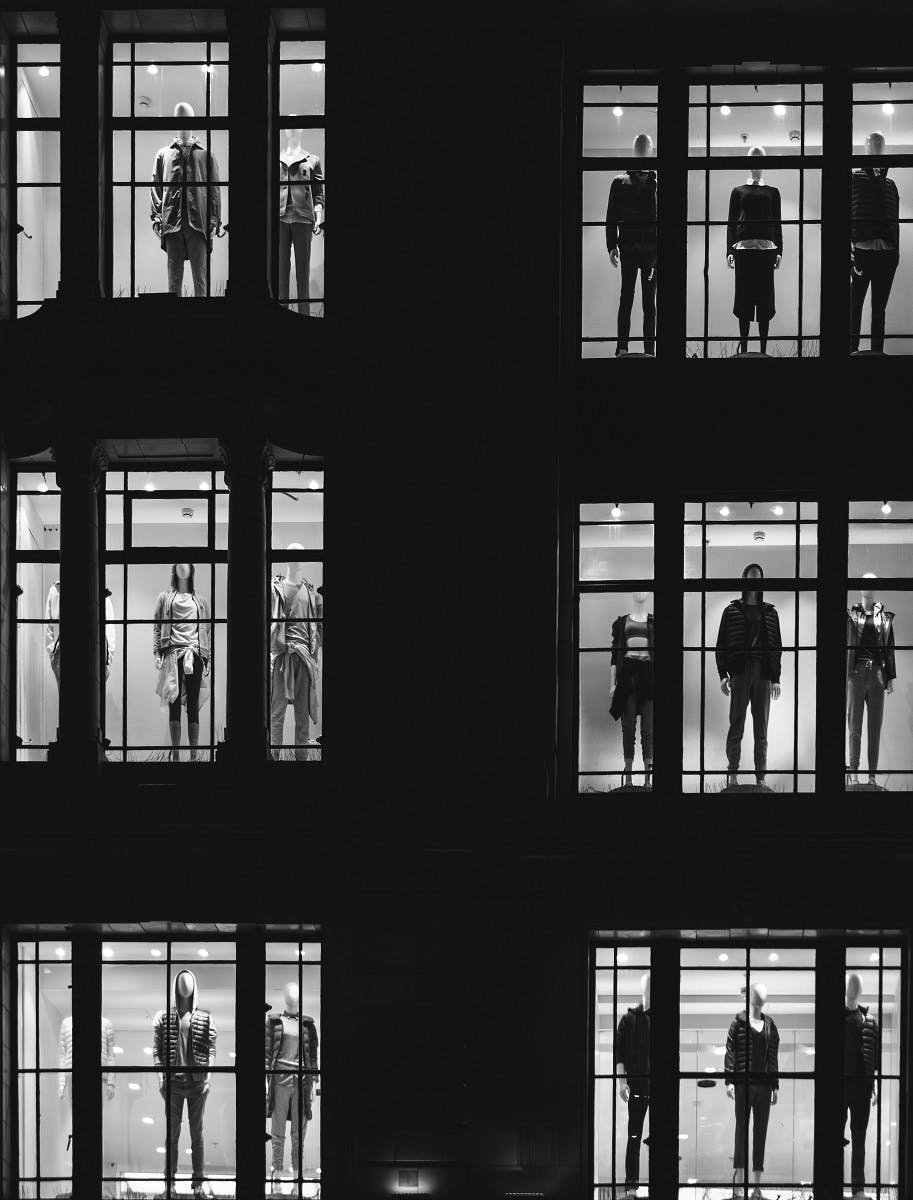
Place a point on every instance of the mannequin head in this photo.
(874, 143)
(756, 167)
(295, 559)
(640, 599)
(643, 146)
(645, 989)
(293, 136)
(853, 988)
(291, 996)
(183, 115)
(867, 591)
(753, 571)
(185, 986)
(757, 996)
(182, 577)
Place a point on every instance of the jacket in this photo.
(201, 173)
(870, 1036)
(308, 1058)
(630, 218)
(308, 618)
(884, 635)
(623, 684)
(52, 628)
(161, 629)
(754, 212)
(739, 1056)
(65, 1053)
(874, 207)
(632, 1048)
(732, 642)
(300, 188)
(166, 1034)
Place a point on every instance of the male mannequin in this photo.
(295, 641)
(186, 1034)
(870, 673)
(291, 1048)
(300, 214)
(65, 1062)
(632, 1054)
(181, 653)
(861, 1053)
(875, 235)
(754, 248)
(748, 653)
(186, 203)
(630, 235)
(752, 1081)
(631, 682)
(52, 630)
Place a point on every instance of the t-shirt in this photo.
(185, 154)
(185, 621)
(288, 1048)
(297, 632)
(758, 1059)
(636, 638)
(867, 650)
(182, 1050)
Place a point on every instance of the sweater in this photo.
(630, 219)
(874, 207)
(754, 212)
(740, 1056)
(732, 642)
(632, 1047)
(161, 628)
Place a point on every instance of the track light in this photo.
(886, 509)
(724, 511)
(43, 486)
(616, 511)
(618, 111)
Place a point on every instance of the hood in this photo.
(742, 1016)
(644, 176)
(193, 991)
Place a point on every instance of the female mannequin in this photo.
(754, 247)
(300, 213)
(870, 674)
(180, 645)
(631, 682)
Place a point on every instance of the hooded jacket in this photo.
(308, 1058)
(630, 219)
(740, 1055)
(632, 1047)
(874, 207)
(52, 628)
(732, 641)
(199, 173)
(161, 629)
(884, 635)
(166, 1033)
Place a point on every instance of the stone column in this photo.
(248, 461)
(86, 1064)
(80, 469)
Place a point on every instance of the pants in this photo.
(186, 243)
(287, 1106)
(301, 704)
(633, 261)
(858, 1099)
(756, 1102)
(629, 726)
(748, 688)
(297, 234)
(196, 1103)
(637, 1113)
(876, 267)
(754, 284)
(192, 688)
(865, 687)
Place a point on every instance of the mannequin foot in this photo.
(732, 779)
(761, 780)
(873, 779)
(852, 779)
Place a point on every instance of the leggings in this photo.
(192, 688)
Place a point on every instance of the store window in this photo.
(615, 638)
(881, 232)
(169, 1101)
(301, 198)
(166, 555)
(170, 169)
(36, 147)
(749, 659)
(292, 1061)
(44, 1093)
(754, 227)
(37, 659)
(879, 666)
(295, 630)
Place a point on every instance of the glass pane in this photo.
(297, 519)
(881, 547)
(199, 951)
(167, 52)
(38, 521)
(302, 89)
(610, 131)
(131, 993)
(38, 246)
(616, 551)
(290, 952)
(37, 156)
(885, 112)
(38, 52)
(305, 479)
(296, 667)
(171, 521)
(38, 92)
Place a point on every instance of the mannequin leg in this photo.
(738, 707)
(860, 275)
(763, 327)
(875, 705)
(55, 666)
(626, 300)
(628, 735)
(760, 1106)
(884, 264)
(174, 250)
(285, 258)
(192, 685)
(859, 1102)
(637, 1113)
(301, 238)
(278, 703)
(282, 1097)
(196, 1103)
(744, 331)
(855, 707)
(302, 713)
(760, 717)
(174, 722)
(741, 1135)
(648, 299)
(646, 738)
(198, 253)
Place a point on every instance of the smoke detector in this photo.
(187, 514)
(759, 535)
(794, 135)
(143, 102)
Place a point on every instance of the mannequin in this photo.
(65, 1061)
(291, 1048)
(875, 249)
(630, 235)
(186, 203)
(295, 641)
(300, 213)
(181, 652)
(632, 1052)
(631, 682)
(754, 248)
(870, 675)
(861, 1055)
(752, 1048)
(52, 630)
(187, 1035)
(748, 653)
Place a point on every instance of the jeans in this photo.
(858, 1100)
(637, 1113)
(876, 267)
(301, 704)
(633, 261)
(744, 689)
(196, 1102)
(186, 243)
(629, 726)
(865, 687)
(756, 1102)
(297, 234)
(287, 1106)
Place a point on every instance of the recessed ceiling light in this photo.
(780, 110)
(724, 957)
(618, 111)
(873, 957)
(45, 970)
(43, 486)
(318, 67)
(231, 1054)
(60, 952)
(207, 69)
(43, 72)
(724, 511)
(719, 1051)
(773, 956)
(107, 952)
(148, 486)
(616, 511)
(886, 509)
(118, 1049)
(134, 1087)
(710, 1070)
(204, 485)
(683, 1137)
(725, 110)
(160, 1149)
(147, 1049)
(888, 109)
(313, 485)
(148, 1121)
(152, 69)
(203, 952)
(777, 510)
(155, 952)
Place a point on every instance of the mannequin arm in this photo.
(722, 661)
(215, 195)
(732, 223)
(157, 193)
(611, 221)
(778, 225)
(624, 1090)
(50, 629)
(317, 192)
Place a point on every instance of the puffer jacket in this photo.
(740, 1058)
(161, 629)
(870, 1036)
(300, 187)
(884, 634)
(732, 642)
(308, 1058)
(874, 207)
(199, 173)
(166, 1033)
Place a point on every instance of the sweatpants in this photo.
(754, 1100)
(865, 688)
(749, 687)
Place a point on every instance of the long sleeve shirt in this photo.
(754, 214)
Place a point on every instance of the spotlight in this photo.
(888, 109)
(773, 957)
(618, 111)
(155, 952)
(723, 957)
(317, 67)
(204, 485)
(43, 72)
(886, 509)
(203, 952)
(777, 510)
(780, 110)
(616, 511)
(725, 110)
(43, 486)
(152, 69)
(107, 952)
(724, 511)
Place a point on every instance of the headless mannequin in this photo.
(874, 260)
(638, 613)
(637, 1104)
(182, 571)
(287, 1104)
(632, 261)
(867, 602)
(295, 231)
(757, 998)
(853, 991)
(756, 174)
(299, 630)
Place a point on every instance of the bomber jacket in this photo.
(754, 212)
(874, 207)
(300, 188)
(308, 1057)
(632, 1047)
(52, 628)
(739, 1055)
(166, 1033)
(869, 1036)
(630, 219)
(199, 171)
(161, 629)
(732, 642)
(884, 634)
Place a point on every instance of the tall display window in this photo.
(295, 621)
(166, 555)
(36, 147)
(170, 169)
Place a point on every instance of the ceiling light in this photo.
(43, 72)
(618, 111)
(231, 1054)
(155, 952)
(302, 952)
(314, 485)
(777, 510)
(204, 485)
(147, 1049)
(160, 1149)
(207, 68)
(203, 952)
(148, 486)
(134, 1087)
(60, 952)
(118, 1049)
(886, 509)
(773, 956)
(616, 511)
(107, 952)
(780, 110)
(683, 1137)
(45, 970)
(318, 67)
(888, 109)
(152, 69)
(725, 110)
(724, 957)
(724, 511)
(719, 1051)
(622, 957)
(873, 957)
(710, 1070)
(809, 1050)
(148, 1121)
(43, 486)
